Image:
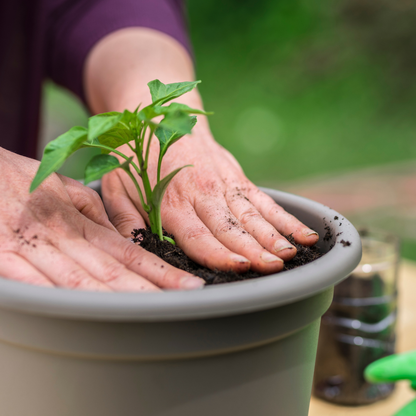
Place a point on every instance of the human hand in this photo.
(218, 217)
(60, 236)
(394, 368)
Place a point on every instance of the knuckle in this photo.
(75, 278)
(132, 253)
(113, 271)
(224, 227)
(275, 209)
(122, 218)
(195, 233)
(81, 200)
(248, 215)
(169, 278)
(97, 202)
(87, 199)
(95, 197)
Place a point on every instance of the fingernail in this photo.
(190, 282)
(270, 258)
(281, 245)
(239, 259)
(307, 233)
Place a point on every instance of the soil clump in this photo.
(175, 256)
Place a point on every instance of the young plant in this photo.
(108, 131)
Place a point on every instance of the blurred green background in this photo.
(300, 89)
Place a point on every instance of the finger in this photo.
(204, 244)
(284, 222)
(104, 267)
(258, 227)
(140, 261)
(197, 241)
(216, 215)
(15, 267)
(86, 201)
(121, 210)
(59, 268)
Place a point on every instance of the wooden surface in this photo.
(406, 333)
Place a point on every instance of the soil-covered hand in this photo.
(60, 236)
(218, 217)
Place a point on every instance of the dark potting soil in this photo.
(177, 258)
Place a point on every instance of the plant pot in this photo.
(245, 348)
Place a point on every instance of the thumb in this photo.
(86, 201)
(120, 208)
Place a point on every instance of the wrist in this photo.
(121, 64)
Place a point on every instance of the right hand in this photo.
(60, 236)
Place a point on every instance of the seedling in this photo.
(108, 131)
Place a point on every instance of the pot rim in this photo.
(213, 301)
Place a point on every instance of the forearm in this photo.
(119, 67)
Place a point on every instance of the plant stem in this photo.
(146, 159)
(131, 148)
(136, 168)
(139, 191)
(155, 220)
(159, 165)
(139, 148)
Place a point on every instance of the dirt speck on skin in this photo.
(345, 243)
(174, 255)
(231, 221)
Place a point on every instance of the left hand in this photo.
(218, 217)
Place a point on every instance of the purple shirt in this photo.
(52, 38)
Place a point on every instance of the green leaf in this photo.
(178, 122)
(101, 123)
(152, 111)
(98, 166)
(111, 129)
(149, 112)
(168, 135)
(166, 238)
(125, 165)
(160, 188)
(57, 151)
(115, 138)
(179, 107)
(162, 93)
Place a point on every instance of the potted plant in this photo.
(245, 348)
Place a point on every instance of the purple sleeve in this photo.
(75, 26)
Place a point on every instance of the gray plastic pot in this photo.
(244, 348)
